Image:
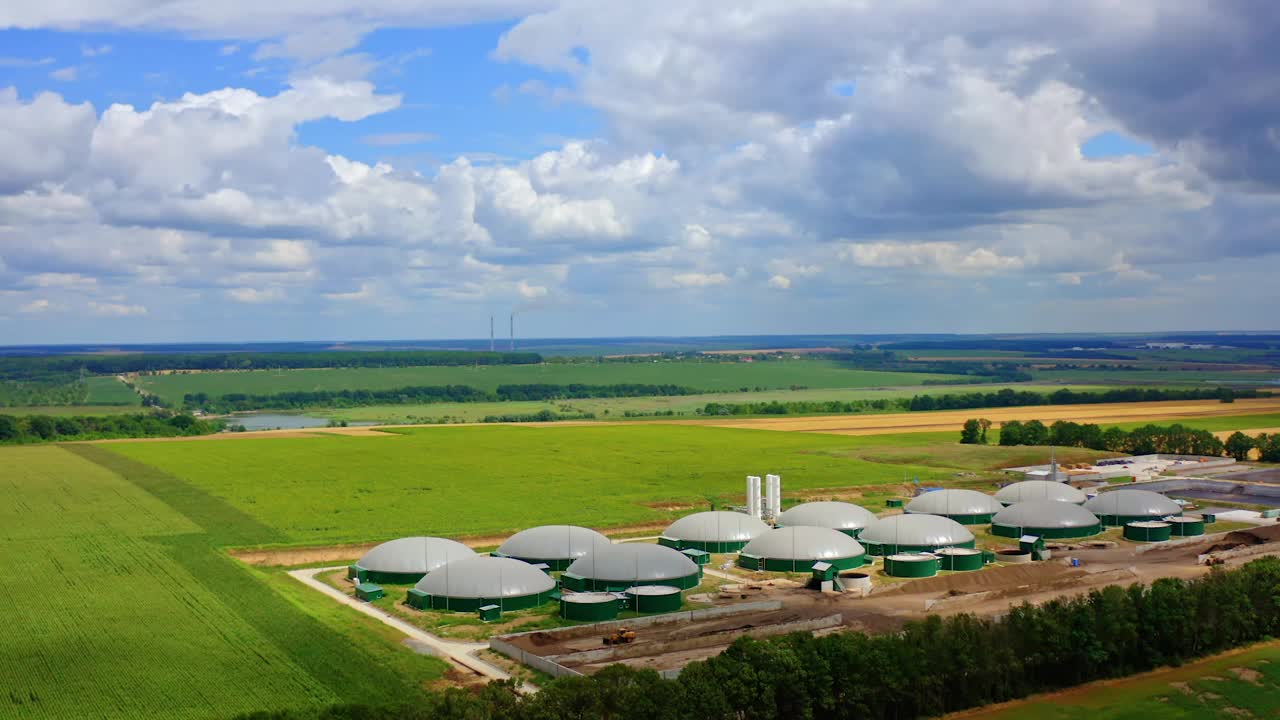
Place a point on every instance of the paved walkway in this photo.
(455, 651)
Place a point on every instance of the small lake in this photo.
(273, 421)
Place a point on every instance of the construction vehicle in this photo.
(1213, 560)
(621, 636)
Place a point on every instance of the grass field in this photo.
(110, 391)
(1236, 685)
(710, 376)
(475, 481)
(64, 410)
(616, 408)
(1206, 378)
(119, 606)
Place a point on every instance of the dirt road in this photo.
(461, 654)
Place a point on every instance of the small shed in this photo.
(369, 592)
(824, 571)
(701, 557)
(490, 613)
(1030, 543)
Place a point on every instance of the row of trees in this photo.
(931, 668)
(1173, 439)
(422, 395)
(43, 428)
(1239, 446)
(32, 367)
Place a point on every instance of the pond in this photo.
(276, 421)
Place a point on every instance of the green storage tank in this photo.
(1148, 531)
(959, 559)
(1186, 526)
(592, 607)
(911, 566)
(490, 613)
(369, 592)
(654, 598)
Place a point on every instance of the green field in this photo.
(1156, 377)
(65, 410)
(710, 376)
(110, 391)
(1236, 685)
(616, 408)
(119, 606)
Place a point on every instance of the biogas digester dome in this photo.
(967, 507)
(796, 549)
(617, 567)
(845, 517)
(914, 534)
(717, 531)
(1025, 490)
(555, 545)
(1120, 507)
(1047, 519)
(470, 583)
(406, 560)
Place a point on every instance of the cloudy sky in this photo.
(303, 169)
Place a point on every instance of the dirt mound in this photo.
(1245, 538)
(1001, 578)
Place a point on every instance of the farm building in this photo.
(1046, 519)
(914, 534)
(555, 545)
(846, 517)
(1120, 507)
(967, 507)
(716, 531)
(406, 560)
(617, 567)
(796, 549)
(467, 584)
(1025, 490)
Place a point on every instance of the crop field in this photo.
(110, 391)
(616, 408)
(1159, 377)
(64, 410)
(1240, 685)
(711, 376)
(119, 606)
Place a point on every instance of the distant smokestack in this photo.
(490, 333)
(513, 332)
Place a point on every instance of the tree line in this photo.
(1239, 446)
(34, 367)
(423, 395)
(16, 429)
(930, 668)
(1173, 439)
(1005, 397)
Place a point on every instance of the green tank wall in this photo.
(892, 549)
(711, 547)
(960, 563)
(912, 569)
(556, 565)
(1116, 520)
(592, 612)
(1188, 529)
(979, 519)
(656, 603)
(422, 601)
(1144, 534)
(582, 584)
(751, 562)
(383, 578)
(1054, 533)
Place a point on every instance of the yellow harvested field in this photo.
(950, 420)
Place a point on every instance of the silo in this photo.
(1120, 507)
(589, 606)
(617, 567)
(654, 598)
(845, 517)
(406, 560)
(911, 565)
(1027, 490)
(716, 531)
(1148, 531)
(959, 559)
(1186, 526)
(555, 545)
(796, 549)
(1045, 518)
(967, 507)
(467, 584)
(914, 534)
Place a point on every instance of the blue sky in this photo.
(405, 168)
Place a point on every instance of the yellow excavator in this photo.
(621, 636)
